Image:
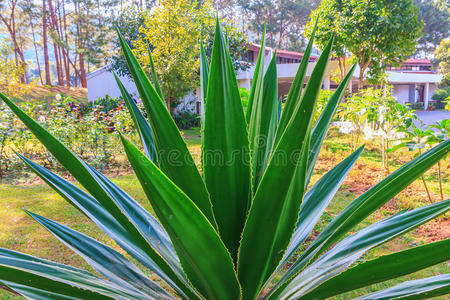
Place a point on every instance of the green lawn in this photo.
(19, 232)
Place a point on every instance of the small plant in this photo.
(230, 232)
(417, 137)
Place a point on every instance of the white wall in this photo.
(401, 92)
(101, 83)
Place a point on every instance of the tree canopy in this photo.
(377, 32)
(173, 31)
(442, 56)
(435, 14)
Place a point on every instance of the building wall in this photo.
(401, 93)
(102, 83)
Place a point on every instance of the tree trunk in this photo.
(35, 47)
(48, 80)
(66, 51)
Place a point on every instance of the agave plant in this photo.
(229, 231)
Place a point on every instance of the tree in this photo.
(378, 32)
(435, 14)
(172, 30)
(284, 20)
(12, 18)
(442, 56)
(11, 74)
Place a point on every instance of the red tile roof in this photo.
(418, 61)
(281, 53)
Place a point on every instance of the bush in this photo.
(186, 119)
(441, 94)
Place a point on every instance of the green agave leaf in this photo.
(109, 199)
(351, 248)
(204, 76)
(155, 233)
(105, 260)
(18, 270)
(368, 202)
(202, 254)
(204, 72)
(316, 201)
(141, 124)
(295, 92)
(274, 212)
(321, 127)
(225, 152)
(263, 122)
(416, 289)
(154, 76)
(383, 268)
(174, 158)
(256, 90)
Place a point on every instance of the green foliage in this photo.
(87, 129)
(435, 16)
(378, 33)
(441, 94)
(172, 32)
(222, 234)
(442, 56)
(10, 72)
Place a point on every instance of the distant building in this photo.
(413, 82)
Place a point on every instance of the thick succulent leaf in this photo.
(141, 124)
(18, 270)
(154, 75)
(204, 73)
(204, 76)
(96, 186)
(275, 207)
(155, 233)
(295, 92)
(425, 288)
(263, 123)
(368, 202)
(316, 201)
(353, 247)
(174, 158)
(256, 90)
(105, 260)
(383, 268)
(202, 253)
(321, 127)
(225, 152)
(150, 227)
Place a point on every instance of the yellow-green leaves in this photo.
(225, 152)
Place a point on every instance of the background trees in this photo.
(442, 55)
(58, 42)
(435, 15)
(378, 32)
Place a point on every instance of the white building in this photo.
(413, 82)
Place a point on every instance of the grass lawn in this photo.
(19, 232)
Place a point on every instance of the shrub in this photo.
(441, 94)
(228, 233)
(186, 119)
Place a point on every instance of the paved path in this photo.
(430, 117)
